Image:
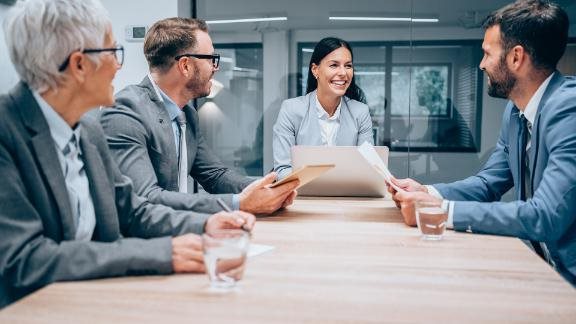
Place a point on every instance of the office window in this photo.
(434, 100)
(444, 136)
(231, 116)
(429, 86)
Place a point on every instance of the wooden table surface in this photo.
(335, 261)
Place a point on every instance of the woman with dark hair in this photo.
(332, 113)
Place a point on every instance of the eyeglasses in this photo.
(214, 57)
(117, 51)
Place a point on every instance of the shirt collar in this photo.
(61, 132)
(322, 114)
(171, 107)
(532, 106)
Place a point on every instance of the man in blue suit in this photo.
(536, 149)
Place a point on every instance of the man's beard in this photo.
(197, 85)
(502, 87)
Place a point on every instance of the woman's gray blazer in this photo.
(297, 124)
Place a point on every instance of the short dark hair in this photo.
(540, 27)
(168, 38)
(324, 47)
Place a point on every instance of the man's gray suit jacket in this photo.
(140, 136)
(550, 216)
(37, 228)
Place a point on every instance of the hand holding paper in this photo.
(369, 153)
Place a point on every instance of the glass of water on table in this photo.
(225, 256)
(431, 218)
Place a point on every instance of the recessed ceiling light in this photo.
(246, 20)
(406, 19)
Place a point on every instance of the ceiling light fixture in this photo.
(246, 20)
(405, 19)
(430, 20)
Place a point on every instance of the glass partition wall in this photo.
(231, 116)
(416, 61)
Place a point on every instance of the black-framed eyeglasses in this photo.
(117, 51)
(214, 57)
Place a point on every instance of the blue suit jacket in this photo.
(550, 216)
(297, 124)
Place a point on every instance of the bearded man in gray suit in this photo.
(65, 209)
(155, 137)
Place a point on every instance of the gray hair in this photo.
(41, 34)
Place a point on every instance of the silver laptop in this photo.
(352, 176)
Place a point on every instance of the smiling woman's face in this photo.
(335, 72)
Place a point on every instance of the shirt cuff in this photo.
(450, 221)
(446, 204)
(236, 202)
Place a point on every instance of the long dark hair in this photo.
(324, 47)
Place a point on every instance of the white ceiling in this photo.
(313, 14)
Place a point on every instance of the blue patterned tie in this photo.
(525, 188)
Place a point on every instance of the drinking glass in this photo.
(225, 256)
(431, 218)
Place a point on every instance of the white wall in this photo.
(8, 77)
(276, 58)
(125, 13)
(122, 13)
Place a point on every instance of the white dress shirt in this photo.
(329, 125)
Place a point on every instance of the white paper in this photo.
(369, 153)
(257, 249)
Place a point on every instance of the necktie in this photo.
(182, 154)
(526, 183)
(525, 188)
(79, 191)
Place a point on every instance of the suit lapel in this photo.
(555, 82)
(313, 118)
(162, 115)
(100, 190)
(163, 121)
(191, 140)
(45, 151)
(346, 121)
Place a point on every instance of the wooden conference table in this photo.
(335, 261)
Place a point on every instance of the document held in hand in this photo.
(369, 153)
(304, 174)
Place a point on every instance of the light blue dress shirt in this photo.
(173, 111)
(77, 183)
